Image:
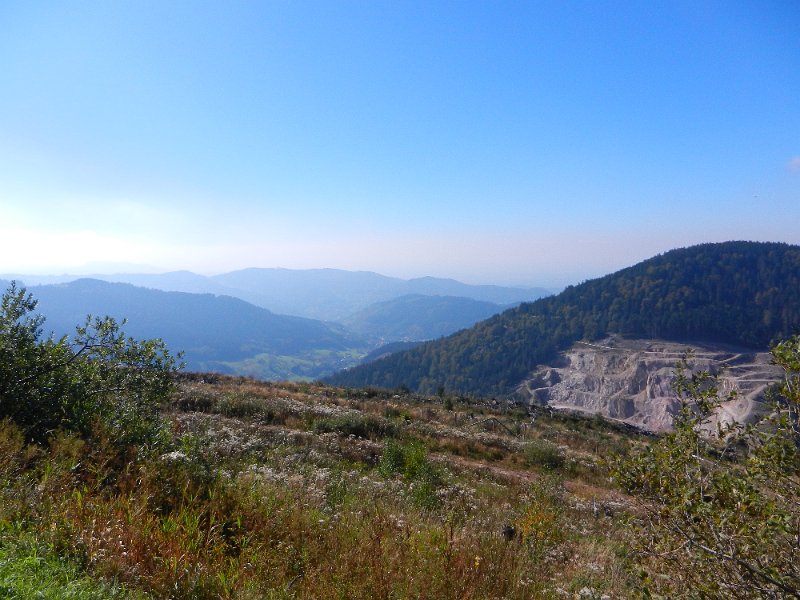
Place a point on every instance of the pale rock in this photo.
(631, 381)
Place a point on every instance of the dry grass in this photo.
(278, 491)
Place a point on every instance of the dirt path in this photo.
(578, 488)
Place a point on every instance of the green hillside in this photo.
(216, 333)
(742, 293)
(418, 317)
(122, 478)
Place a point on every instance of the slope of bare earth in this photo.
(631, 380)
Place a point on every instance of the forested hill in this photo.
(742, 293)
(418, 317)
(212, 330)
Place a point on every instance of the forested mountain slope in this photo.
(334, 294)
(211, 330)
(741, 293)
(418, 317)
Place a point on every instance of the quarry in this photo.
(631, 380)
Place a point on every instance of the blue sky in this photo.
(532, 143)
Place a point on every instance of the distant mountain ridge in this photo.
(417, 317)
(230, 335)
(324, 294)
(215, 332)
(740, 293)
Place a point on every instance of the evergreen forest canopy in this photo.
(739, 293)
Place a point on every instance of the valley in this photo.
(539, 453)
(227, 328)
(552, 351)
(451, 300)
(320, 294)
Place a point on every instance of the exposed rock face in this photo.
(631, 380)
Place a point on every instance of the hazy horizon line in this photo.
(87, 271)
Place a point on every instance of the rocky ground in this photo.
(631, 381)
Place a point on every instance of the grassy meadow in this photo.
(267, 490)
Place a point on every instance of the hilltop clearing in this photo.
(303, 491)
(121, 478)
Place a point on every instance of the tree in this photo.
(719, 513)
(100, 377)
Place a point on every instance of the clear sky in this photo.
(534, 143)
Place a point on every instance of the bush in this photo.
(366, 426)
(99, 377)
(31, 569)
(411, 461)
(721, 511)
(543, 454)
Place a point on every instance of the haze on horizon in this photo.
(515, 143)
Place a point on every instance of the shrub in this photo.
(98, 377)
(542, 524)
(31, 569)
(411, 461)
(543, 454)
(194, 400)
(392, 412)
(720, 512)
(366, 426)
